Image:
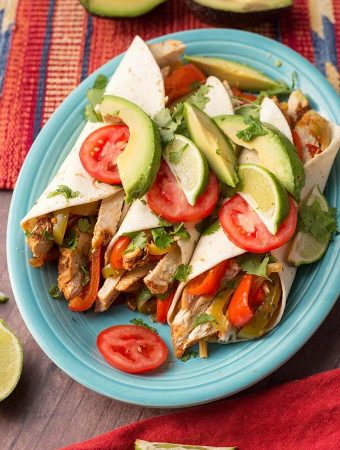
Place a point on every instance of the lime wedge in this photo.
(11, 360)
(265, 194)
(188, 166)
(305, 249)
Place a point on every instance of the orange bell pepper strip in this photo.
(208, 282)
(116, 258)
(163, 307)
(180, 82)
(239, 310)
(88, 295)
(243, 95)
(297, 143)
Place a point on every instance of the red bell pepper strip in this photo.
(163, 307)
(208, 282)
(181, 81)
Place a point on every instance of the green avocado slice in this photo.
(118, 8)
(275, 151)
(216, 148)
(237, 74)
(138, 164)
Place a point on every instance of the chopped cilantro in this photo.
(161, 238)
(144, 294)
(182, 272)
(166, 125)
(141, 323)
(254, 129)
(188, 354)
(70, 239)
(181, 232)
(254, 264)
(94, 97)
(199, 98)
(203, 318)
(138, 240)
(86, 274)
(318, 223)
(212, 228)
(176, 156)
(84, 225)
(55, 292)
(65, 191)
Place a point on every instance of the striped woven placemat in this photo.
(48, 46)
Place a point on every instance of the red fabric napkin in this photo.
(300, 415)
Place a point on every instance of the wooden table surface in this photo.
(49, 410)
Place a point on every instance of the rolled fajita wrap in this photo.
(195, 318)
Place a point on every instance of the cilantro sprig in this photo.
(141, 323)
(203, 318)
(254, 264)
(182, 272)
(95, 96)
(64, 190)
(138, 240)
(253, 129)
(320, 224)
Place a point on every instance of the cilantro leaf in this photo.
(70, 239)
(144, 295)
(161, 238)
(65, 191)
(199, 98)
(188, 354)
(138, 240)
(254, 264)
(141, 323)
(86, 274)
(95, 96)
(254, 129)
(181, 232)
(84, 225)
(166, 125)
(176, 156)
(212, 228)
(47, 235)
(318, 223)
(55, 292)
(3, 298)
(203, 318)
(182, 272)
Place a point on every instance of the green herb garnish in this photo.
(320, 224)
(84, 225)
(94, 97)
(47, 235)
(138, 240)
(182, 272)
(70, 239)
(86, 274)
(254, 264)
(203, 318)
(161, 238)
(141, 323)
(188, 354)
(65, 191)
(55, 292)
(253, 130)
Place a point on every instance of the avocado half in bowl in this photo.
(238, 13)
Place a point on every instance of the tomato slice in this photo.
(180, 82)
(100, 150)
(246, 230)
(89, 294)
(239, 310)
(166, 198)
(208, 282)
(116, 258)
(132, 349)
(163, 307)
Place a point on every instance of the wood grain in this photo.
(49, 410)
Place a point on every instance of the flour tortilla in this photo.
(138, 78)
(216, 248)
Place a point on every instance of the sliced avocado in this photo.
(238, 12)
(117, 8)
(275, 151)
(212, 143)
(138, 164)
(237, 74)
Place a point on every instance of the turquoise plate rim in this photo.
(203, 392)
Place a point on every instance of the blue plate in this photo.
(69, 339)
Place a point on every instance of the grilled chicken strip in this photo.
(108, 219)
(131, 281)
(71, 276)
(158, 281)
(133, 259)
(168, 52)
(40, 241)
(107, 294)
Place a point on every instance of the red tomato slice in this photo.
(167, 200)
(246, 230)
(100, 150)
(116, 258)
(208, 282)
(132, 349)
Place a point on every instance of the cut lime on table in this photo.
(188, 166)
(265, 194)
(305, 248)
(11, 360)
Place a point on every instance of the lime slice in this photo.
(305, 248)
(188, 166)
(11, 360)
(265, 194)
